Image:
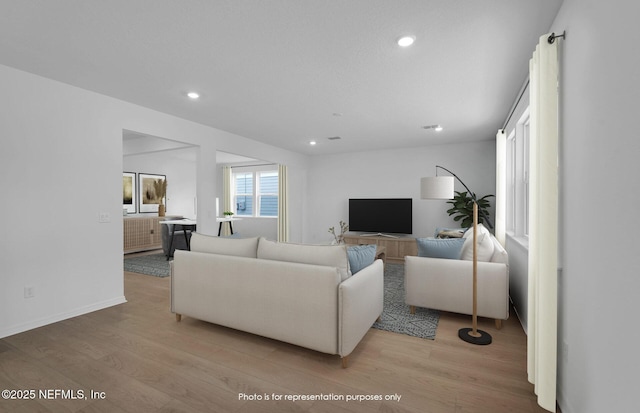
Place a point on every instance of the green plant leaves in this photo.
(462, 208)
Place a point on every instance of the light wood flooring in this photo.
(144, 361)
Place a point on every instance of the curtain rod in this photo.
(551, 39)
(515, 105)
(252, 166)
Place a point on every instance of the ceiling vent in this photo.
(334, 138)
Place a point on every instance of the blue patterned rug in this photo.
(154, 264)
(395, 314)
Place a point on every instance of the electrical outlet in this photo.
(104, 217)
(29, 291)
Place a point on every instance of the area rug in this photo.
(395, 314)
(153, 264)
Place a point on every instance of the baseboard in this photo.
(515, 310)
(61, 316)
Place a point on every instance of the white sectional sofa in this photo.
(447, 284)
(299, 294)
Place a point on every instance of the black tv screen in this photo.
(381, 215)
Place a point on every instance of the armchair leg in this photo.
(412, 309)
(178, 317)
(498, 324)
(345, 362)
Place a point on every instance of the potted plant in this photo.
(462, 208)
(227, 214)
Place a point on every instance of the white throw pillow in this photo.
(485, 245)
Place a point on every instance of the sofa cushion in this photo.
(331, 255)
(440, 247)
(361, 256)
(499, 253)
(485, 245)
(239, 247)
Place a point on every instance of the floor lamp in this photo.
(441, 187)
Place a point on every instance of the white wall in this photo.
(61, 167)
(333, 179)
(179, 166)
(60, 157)
(599, 287)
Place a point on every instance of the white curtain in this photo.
(227, 197)
(283, 204)
(543, 223)
(501, 187)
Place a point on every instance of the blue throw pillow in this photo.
(361, 256)
(440, 248)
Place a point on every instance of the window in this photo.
(244, 193)
(268, 194)
(256, 192)
(518, 179)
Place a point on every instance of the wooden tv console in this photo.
(396, 248)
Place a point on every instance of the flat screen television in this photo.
(381, 215)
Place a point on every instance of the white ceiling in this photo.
(277, 71)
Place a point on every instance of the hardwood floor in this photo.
(144, 361)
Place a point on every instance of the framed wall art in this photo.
(148, 198)
(129, 193)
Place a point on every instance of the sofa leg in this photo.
(345, 362)
(178, 317)
(498, 323)
(412, 309)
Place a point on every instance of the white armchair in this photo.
(447, 284)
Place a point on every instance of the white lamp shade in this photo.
(436, 187)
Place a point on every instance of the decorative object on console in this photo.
(160, 185)
(441, 187)
(450, 232)
(339, 238)
(227, 214)
(462, 208)
(151, 197)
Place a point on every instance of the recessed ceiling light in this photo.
(405, 41)
(312, 143)
(193, 95)
(437, 128)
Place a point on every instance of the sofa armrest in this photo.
(360, 303)
(444, 284)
